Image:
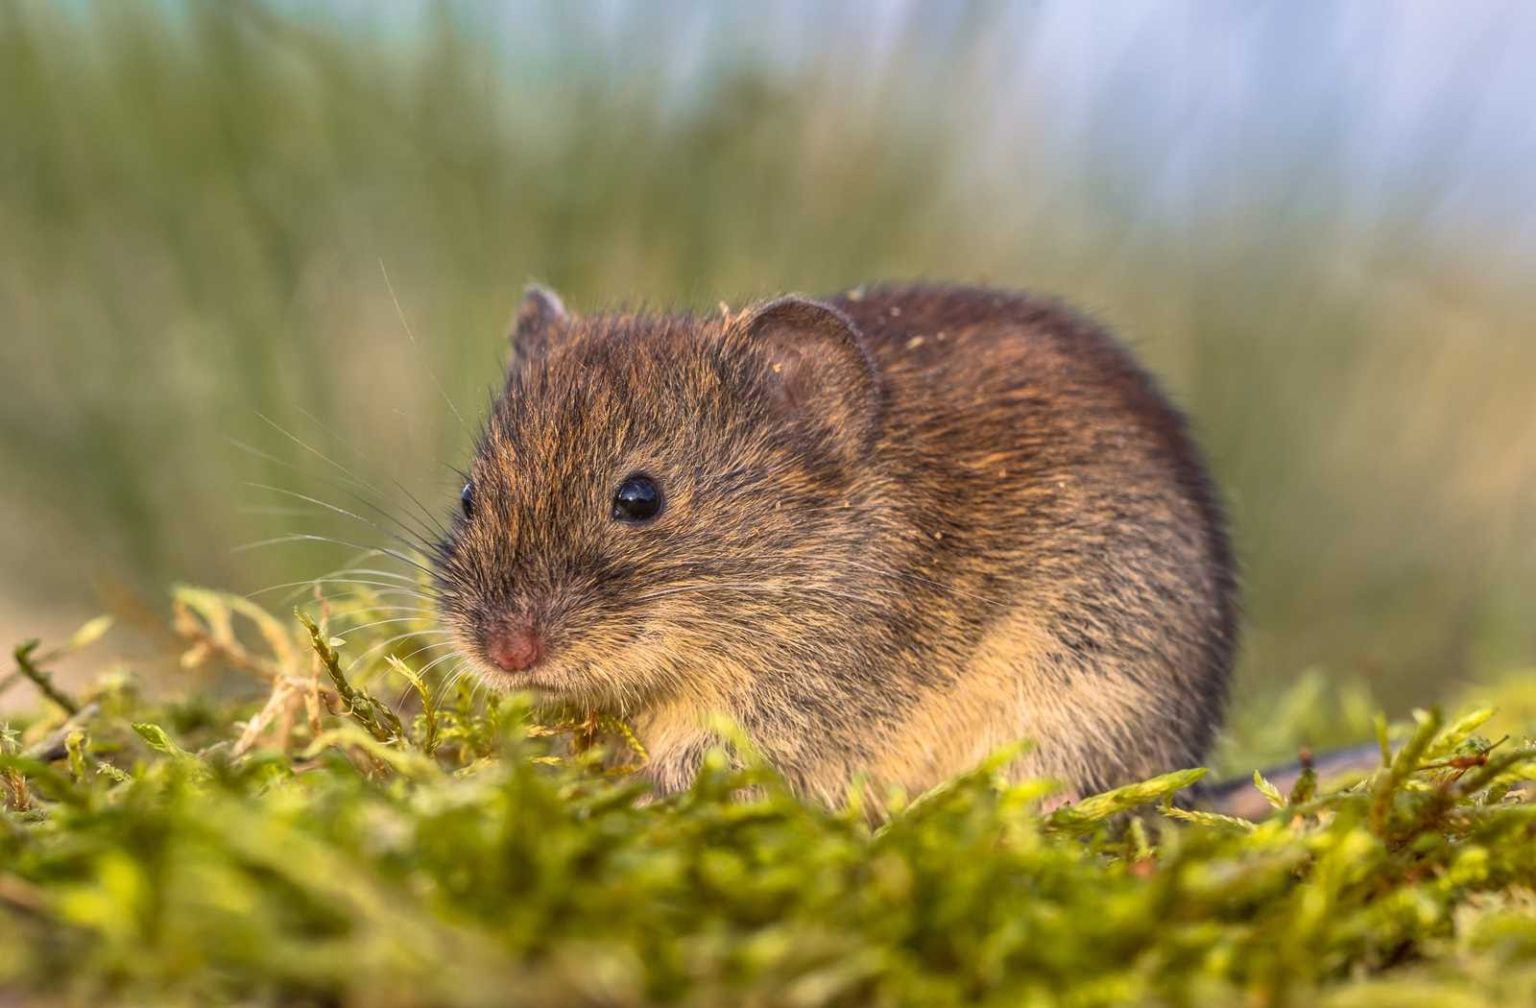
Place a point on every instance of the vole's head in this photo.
(656, 498)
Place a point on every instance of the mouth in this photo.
(564, 678)
(529, 680)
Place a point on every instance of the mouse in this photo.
(884, 533)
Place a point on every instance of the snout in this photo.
(515, 645)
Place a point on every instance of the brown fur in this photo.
(903, 527)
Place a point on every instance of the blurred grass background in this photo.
(199, 203)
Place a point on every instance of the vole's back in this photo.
(1070, 554)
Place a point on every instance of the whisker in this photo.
(311, 585)
(434, 663)
(381, 589)
(362, 601)
(322, 456)
(405, 582)
(343, 469)
(363, 609)
(311, 537)
(409, 542)
(407, 325)
(387, 587)
(393, 640)
(379, 573)
(276, 511)
(373, 623)
(349, 486)
(456, 675)
(426, 647)
(434, 524)
(409, 613)
(446, 687)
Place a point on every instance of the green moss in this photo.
(317, 845)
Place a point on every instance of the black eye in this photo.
(467, 500)
(638, 500)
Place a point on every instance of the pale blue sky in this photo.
(1199, 103)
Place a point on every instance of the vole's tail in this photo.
(1238, 797)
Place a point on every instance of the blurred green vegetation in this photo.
(199, 206)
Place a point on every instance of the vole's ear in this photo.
(540, 319)
(817, 367)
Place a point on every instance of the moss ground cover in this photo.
(314, 822)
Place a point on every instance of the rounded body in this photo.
(903, 527)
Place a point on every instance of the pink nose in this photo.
(515, 648)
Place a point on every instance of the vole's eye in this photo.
(467, 500)
(638, 500)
